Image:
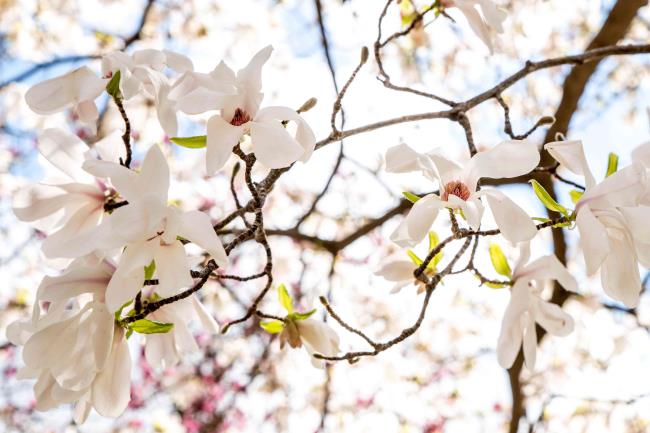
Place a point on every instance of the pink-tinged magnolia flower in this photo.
(150, 229)
(71, 205)
(526, 307)
(240, 114)
(458, 189)
(77, 89)
(484, 24)
(610, 222)
(79, 354)
(165, 350)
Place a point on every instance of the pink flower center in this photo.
(456, 188)
(240, 117)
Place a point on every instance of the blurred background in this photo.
(446, 377)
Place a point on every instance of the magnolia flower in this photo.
(166, 349)
(99, 377)
(458, 188)
(151, 230)
(142, 73)
(77, 89)
(526, 307)
(72, 206)
(298, 329)
(610, 222)
(485, 23)
(240, 114)
(400, 271)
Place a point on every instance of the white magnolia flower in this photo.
(400, 272)
(240, 114)
(77, 89)
(150, 229)
(610, 222)
(458, 188)
(76, 355)
(526, 307)
(71, 205)
(484, 24)
(315, 336)
(143, 73)
(165, 350)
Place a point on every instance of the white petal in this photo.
(304, 134)
(166, 110)
(620, 274)
(77, 237)
(249, 79)
(88, 114)
(208, 322)
(397, 270)
(513, 221)
(62, 92)
(511, 334)
(421, 217)
(273, 146)
(507, 159)
(494, 16)
(150, 57)
(221, 138)
(402, 159)
(154, 175)
(172, 268)
(178, 62)
(570, 155)
(553, 319)
(593, 239)
(111, 147)
(472, 209)
(530, 343)
(197, 227)
(124, 180)
(74, 282)
(65, 151)
(35, 202)
(111, 390)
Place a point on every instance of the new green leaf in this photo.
(575, 195)
(546, 198)
(196, 142)
(612, 164)
(272, 327)
(113, 86)
(146, 326)
(414, 258)
(149, 270)
(285, 298)
(303, 316)
(411, 197)
(499, 261)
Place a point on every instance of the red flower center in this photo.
(456, 188)
(240, 117)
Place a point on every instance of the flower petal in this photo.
(570, 155)
(507, 159)
(197, 227)
(111, 390)
(222, 137)
(273, 146)
(513, 221)
(593, 239)
(65, 151)
(172, 268)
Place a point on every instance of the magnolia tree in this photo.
(132, 261)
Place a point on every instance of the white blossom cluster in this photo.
(611, 218)
(115, 228)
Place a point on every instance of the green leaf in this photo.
(434, 240)
(118, 313)
(272, 327)
(149, 270)
(546, 198)
(196, 142)
(495, 285)
(113, 86)
(285, 298)
(146, 326)
(541, 219)
(303, 316)
(410, 196)
(575, 195)
(612, 164)
(414, 258)
(499, 261)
